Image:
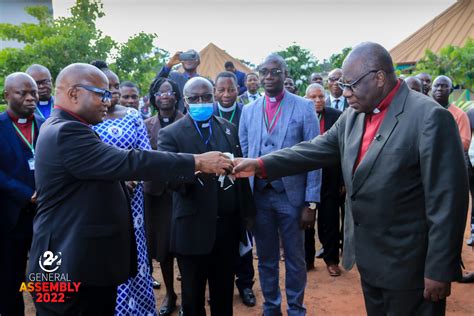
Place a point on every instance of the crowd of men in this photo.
(375, 166)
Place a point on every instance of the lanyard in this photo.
(206, 141)
(231, 117)
(50, 103)
(273, 122)
(30, 145)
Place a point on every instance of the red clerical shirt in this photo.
(23, 125)
(372, 123)
(273, 109)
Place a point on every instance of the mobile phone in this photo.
(187, 56)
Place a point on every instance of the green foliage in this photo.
(301, 64)
(452, 61)
(3, 108)
(138, 60)
(336, 60)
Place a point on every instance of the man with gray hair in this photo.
(285, 206)
(331, 187)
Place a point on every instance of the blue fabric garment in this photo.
(135, 296)
(44, 110)
(240, 81)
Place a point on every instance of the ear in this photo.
(6, 95)
(381, 78)
(72, 94)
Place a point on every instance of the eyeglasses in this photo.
(164, 94)
(351, 85)
(274, 72)
(333, 79)
(205, 98)
(106, 94)
(43, 82)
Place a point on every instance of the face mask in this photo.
(201, 111)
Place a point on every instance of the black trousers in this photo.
(328, 231)
(216, 268)
(14, 246)
(89, 301)
(244, 270)
(380, 302)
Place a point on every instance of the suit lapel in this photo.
(221, 127)
(353, 140)
(287, 109)
(197, 142)
(388, 124)
(10, 134)
(258, 122)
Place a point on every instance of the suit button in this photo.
(273, 145)
(266, 144)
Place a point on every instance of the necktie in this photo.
(253, 97)
(336, 104)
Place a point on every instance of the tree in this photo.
(301, 64)
(138, 60)
(452, 61)
(336, 60)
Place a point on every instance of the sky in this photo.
(251, 29)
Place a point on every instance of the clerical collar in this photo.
(19, 120)
(203, 124)
(383, 105)
(277, 98)
(43, 102)
(229, 109)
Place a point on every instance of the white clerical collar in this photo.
(43, 102)
(376, 111)
(229, 109)
(22, 120)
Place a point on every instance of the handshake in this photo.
(225, 164)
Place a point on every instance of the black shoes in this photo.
(248, 298)
(156, 285)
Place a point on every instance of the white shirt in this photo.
(340, 105)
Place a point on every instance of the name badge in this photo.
(31, 163)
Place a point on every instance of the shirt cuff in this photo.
(263, 172)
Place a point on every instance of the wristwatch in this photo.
(311, 205)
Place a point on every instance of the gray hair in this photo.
(314, 86)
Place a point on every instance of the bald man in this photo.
(335, 99)
(83, 225)
(43, 80)
(406, 181)
(18, 134)
(425, 81)
(414, 83)
(442, 89)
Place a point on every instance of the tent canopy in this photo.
(452, 27)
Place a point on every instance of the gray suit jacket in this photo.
(297, 123)
(406, 201)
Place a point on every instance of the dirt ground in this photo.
(327, 295)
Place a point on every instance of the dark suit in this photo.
(328, 211)
(158, 203)
(83, 208)
(17, 185)
(205, 241)
(329, 105)
(406, 201)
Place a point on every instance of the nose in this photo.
(346, 92)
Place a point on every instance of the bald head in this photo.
(21, 94)
(74, 91)
(442, 88)
(371, 56)
(425, 81)
(333, 77)
(43, 80)
(275, 58)
(414, 83)
(197, 83)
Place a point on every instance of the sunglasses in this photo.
(352, 84)
(106, 94)
(205, 98)
(164, 94)
(274, 72)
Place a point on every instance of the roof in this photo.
(213, 59)
(452, 27)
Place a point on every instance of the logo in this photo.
(114, 131)
(50, 262)
(227, 131)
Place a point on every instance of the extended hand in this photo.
(131, 186)
(174, 60)
(435, 290)
(213, 162)
(308, 217)
(245, 167)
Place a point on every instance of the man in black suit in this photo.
(328, 210)
(335, 99)
(209, 215)
(19, 128)
(403, 166)
(84, 217)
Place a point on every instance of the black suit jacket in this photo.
(194, 218)
(83, 208)
(331, 180)
(406, 201)
(329, 105)
(17, 181)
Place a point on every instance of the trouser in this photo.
(380, 302)
(14, 246)
(275, 215)
(244, 270)
(216, 268)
